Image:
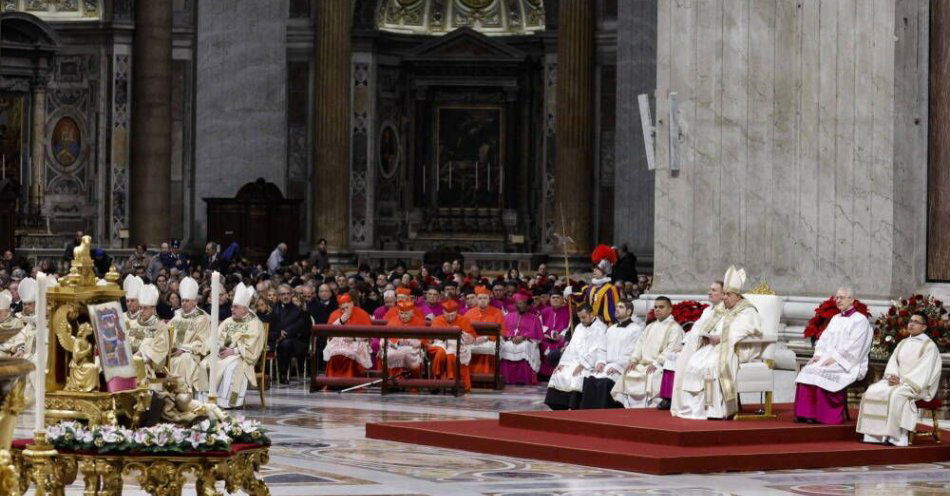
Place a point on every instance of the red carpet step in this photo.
(650, 441)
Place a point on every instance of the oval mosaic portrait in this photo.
(66, 141)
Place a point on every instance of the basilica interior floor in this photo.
(320, 449)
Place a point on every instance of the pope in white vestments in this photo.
(578, 361)
(242, 341)
(704, 386)
(840, 358)
(639, 386)
(888, 410)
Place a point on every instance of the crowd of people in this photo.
(607, 359)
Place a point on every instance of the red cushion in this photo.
(20, 443)
(933, 404)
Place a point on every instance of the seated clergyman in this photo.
(888, 410)
(577, 362)
(704, 386)
(841, 357)
(639, 386)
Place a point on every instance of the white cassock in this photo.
(847, 340)
(583, 349)
(619, 343)
(705, 379)
(888, 412)
(637, 388)
(673, 354)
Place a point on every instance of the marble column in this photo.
(37, 143)
(938, 187)
(573, 176)
(331, 122)
(151, 122)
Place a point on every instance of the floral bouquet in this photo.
(161, 438)
(891, 328)
(824, 313)
(686, 313)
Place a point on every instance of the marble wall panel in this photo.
(803, 144)
(241, 101)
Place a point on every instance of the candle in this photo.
(4, 167)
(450, 176)
(215, 304)
(488, 166)
(39, 378)
(476, 174)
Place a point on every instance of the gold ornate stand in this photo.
(157, 474)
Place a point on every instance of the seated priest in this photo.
(520, 355)
(715, 307)
(402, 294)
(148, 335)
(888, 411)
(389, 302)
(841, 357)
(577, 362)
(348, 356)
(450, 318)
(704, 386)
(555, 323)
(430, 306)
(241, 341)
(14, 347)
(620, 341)
(190, 334)
(639, 386)
(483, 350)
(405, 355)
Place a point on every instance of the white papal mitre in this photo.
(188, 289)
(148, 296)
(734, 280)
(243, 295)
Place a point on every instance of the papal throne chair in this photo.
(757, 356)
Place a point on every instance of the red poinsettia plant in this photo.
(686, 313)
(891, 328)
(824, 313)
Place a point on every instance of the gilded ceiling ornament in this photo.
(476, 4)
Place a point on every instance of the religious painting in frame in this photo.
(115, 355)
(66, 141)
(469, 151)
(11, 136)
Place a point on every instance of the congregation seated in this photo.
(888, 411)
(840, 358)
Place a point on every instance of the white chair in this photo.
(757, 356)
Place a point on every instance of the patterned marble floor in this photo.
(320, 449)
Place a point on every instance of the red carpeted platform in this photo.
(652, 441)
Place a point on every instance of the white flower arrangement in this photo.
(167, 438)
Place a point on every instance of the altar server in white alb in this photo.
(241, 339)
(888, 409)
(704, 386)
(639, 386)
(619, 342)
(578, 361)
(841, 357)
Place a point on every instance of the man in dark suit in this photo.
(289, 332)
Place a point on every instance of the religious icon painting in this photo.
(469, 149)
(115, 356)
(388, 150)
(66, 141)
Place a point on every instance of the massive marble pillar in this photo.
(151, 122)
(37, 162)
(331, 122)
(636, 74)
(938, 187)
(573, 176)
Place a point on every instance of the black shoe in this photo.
(664, 405)
(803, 420)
